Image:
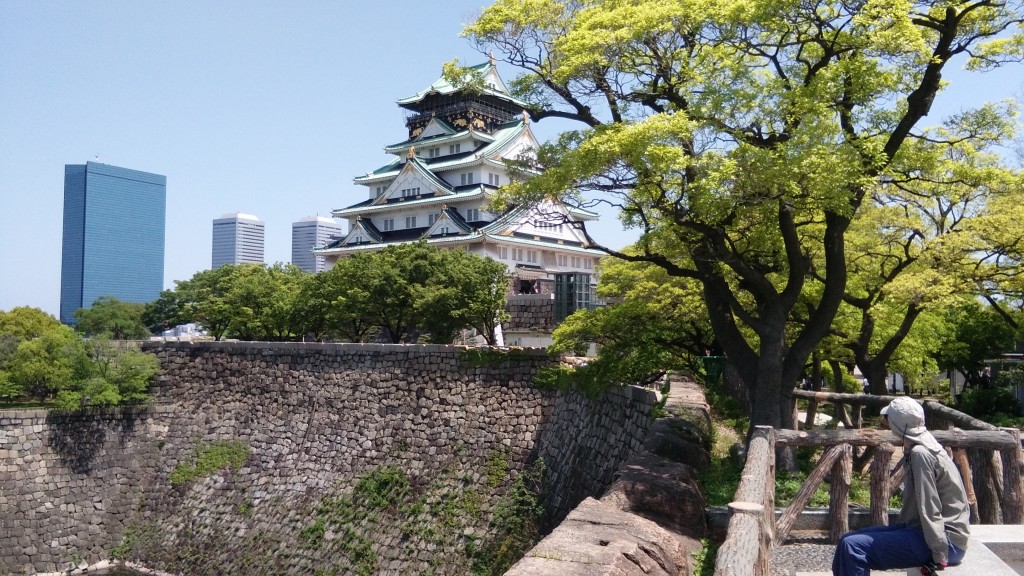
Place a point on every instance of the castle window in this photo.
(493, 179)
(466, 179)
(503, 252)
(454, 148)
(408, 192)
(563, 260)
(389, 224)
(410, 221)
(434, 152)
(531, 256)
(432, 218)
(473, 215)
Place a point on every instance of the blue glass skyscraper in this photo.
(113, 236)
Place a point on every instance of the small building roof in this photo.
(239, 216)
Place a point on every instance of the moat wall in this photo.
(375, 459)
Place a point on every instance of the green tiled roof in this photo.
(439, 139)
(502, 138)
(442, 86)
(363, 208)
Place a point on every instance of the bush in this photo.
(990, 403)
(210, 458)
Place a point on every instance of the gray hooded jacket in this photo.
(933, 493)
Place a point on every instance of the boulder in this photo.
(678, 440)
(662, 491)
(596, 539)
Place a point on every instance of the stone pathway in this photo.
(810, 557)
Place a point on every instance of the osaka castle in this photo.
(437, 186)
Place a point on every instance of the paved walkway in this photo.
(995, 550)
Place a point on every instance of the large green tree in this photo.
(334, 305)
(978, 333)
(741, 137)
(262, 300)
(462, 291)
(202, 299)
(907, 251)
(109, 316)
(107, 374)
(43, 365)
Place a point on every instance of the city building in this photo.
(113, 243)
(237, 239)
(437, 187)
(310, 233)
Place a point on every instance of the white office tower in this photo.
(237, 239)
(309, 233)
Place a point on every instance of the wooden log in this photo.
(747, 547)
(880, 466)
(839, 494)
(1013, 489)
(896, 478)
(841, 415)
(858, 416)
(861, 399)
(960, 459)
(803, 495)
(760, 459)
(992, 440)
(864, 458)
(768, 520)
(812, 413)
(739, 554)
(984, 486)
(956, 417)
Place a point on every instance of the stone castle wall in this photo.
(382, 459)
(530, 312)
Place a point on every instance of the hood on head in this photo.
(906, 420)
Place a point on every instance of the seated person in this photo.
(935, 519)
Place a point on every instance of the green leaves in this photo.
(112, 318)
(743, 137)
(407, 291)
(45, 360)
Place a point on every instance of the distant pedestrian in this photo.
(935, 519)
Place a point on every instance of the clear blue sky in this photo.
(268, 108)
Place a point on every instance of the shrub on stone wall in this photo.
(210, 458)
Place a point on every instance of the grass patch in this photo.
(787, 484)
(383, 488)
(211, 458)
(704, 559)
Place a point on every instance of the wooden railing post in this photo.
(748, 544)
(769, 495)
(807, 489)
(839, 494)
(880, 467)
(960, 458)
(1013, 490)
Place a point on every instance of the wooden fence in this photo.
(754, 530)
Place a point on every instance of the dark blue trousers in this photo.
(884, 548)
